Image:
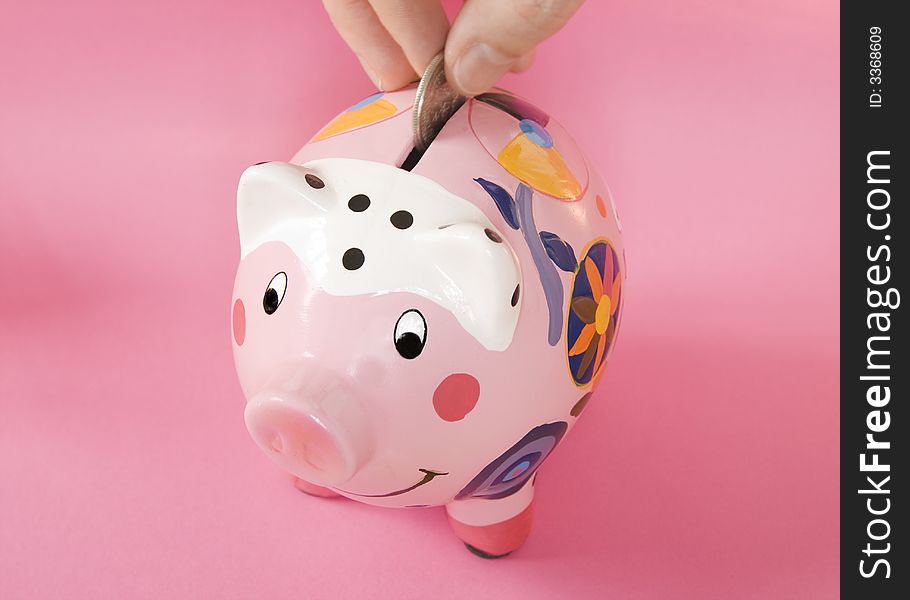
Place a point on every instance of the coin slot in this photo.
(514, 106)
(410, 161)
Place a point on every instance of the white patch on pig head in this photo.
(362, 227)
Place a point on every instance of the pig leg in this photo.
(493, 528)
(311, 489)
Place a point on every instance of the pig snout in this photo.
(323, 439)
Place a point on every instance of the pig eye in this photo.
(274, 294)
(410, 334)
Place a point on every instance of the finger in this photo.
(489, 36)
(419, 26)
(380, 55)
(524, 63)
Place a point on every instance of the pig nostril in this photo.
(313, 458)
(324, 448)
(277, 443)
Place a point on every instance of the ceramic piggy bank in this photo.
(418, 329)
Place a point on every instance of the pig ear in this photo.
(273, 195)
(479, 278)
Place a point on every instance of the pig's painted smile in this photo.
(427, 478)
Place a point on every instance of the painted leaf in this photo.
(503, 200)
(559, 251)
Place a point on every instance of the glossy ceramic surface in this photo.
(425, 335)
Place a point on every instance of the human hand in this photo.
(396, 39)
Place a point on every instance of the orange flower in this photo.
(597, 311)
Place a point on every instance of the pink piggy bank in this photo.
(419, 329)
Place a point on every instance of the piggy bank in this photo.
(416, 329)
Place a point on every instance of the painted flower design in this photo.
(535, 150)
(593, 312)
(531, 157)
(514, 467)
(372, 109)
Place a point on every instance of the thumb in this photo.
(489, 37)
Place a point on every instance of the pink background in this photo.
(706, 467)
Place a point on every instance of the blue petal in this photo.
(503, 200)
(368, 100)
(536, 133)
(559, 251)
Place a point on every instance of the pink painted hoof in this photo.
(311, 489)
(498, 539)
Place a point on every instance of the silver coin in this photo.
(435, 103)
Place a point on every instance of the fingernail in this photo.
(479, 67)
(370, 73)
